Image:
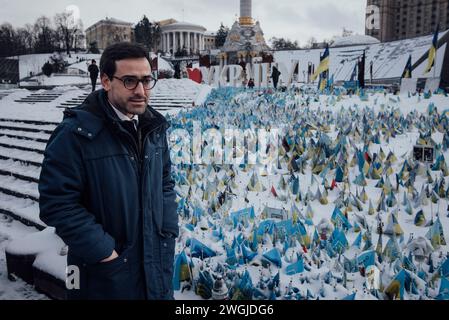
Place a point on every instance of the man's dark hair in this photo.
(117, 52)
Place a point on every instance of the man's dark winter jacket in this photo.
(103, 190)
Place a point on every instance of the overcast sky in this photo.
(294, 19)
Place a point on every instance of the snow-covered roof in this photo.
(210, 33)
(354, 40)
(183, 25)
(110, 21)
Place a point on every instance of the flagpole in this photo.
(436, 52)
(436, 60)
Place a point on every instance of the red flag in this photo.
(334, 184)
(273, 191)
(367, 157)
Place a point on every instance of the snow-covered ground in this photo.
(354, 167)
(17, 289)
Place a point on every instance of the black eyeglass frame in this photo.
(125, 78)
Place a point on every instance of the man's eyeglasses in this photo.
(131, 83)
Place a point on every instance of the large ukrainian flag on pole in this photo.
(324, 64)
(432, 52)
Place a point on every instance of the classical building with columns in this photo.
(179, 36)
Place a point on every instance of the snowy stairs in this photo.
(4, 93)
(74, 102)
(39, 98)
(22, 145)
(163, 100)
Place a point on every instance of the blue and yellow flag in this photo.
(324, 64)
(396, 289)
(181, 271)
(408, 68)
(432, 52)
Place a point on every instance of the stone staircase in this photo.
(74, 102)
(34, 98)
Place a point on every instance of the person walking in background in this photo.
(275, 76)
(93, 72)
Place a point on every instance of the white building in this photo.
(177, 36)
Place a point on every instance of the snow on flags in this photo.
(200, 250)
(181, 270)
(432, 52)
(296, 267)
(338, 218)
(273, 256)
(324, 64)
(408, 68)
(395, 291)
(436, 235)
(366, 258)
(242, 215)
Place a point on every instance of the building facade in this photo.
(182, 36)
(209, 40)
(109, 31)
(404, 19)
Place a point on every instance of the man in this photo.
(93, 72)
(275, 76)
(106, 185)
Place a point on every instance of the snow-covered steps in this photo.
(4, 94)
(20, 171)
(39, 98)
(19, 188)
(74, 102)
(21, 144)
(20, 126)
(35, 122)
(26, 157)
(175, 94)
(24, 135)
(23, 210)
(40, 259)
(34, 134)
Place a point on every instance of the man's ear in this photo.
(106, 82)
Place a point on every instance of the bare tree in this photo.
(7, 38)
(44, 35)
(26, 38)
(67, 28)
(311, 42)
